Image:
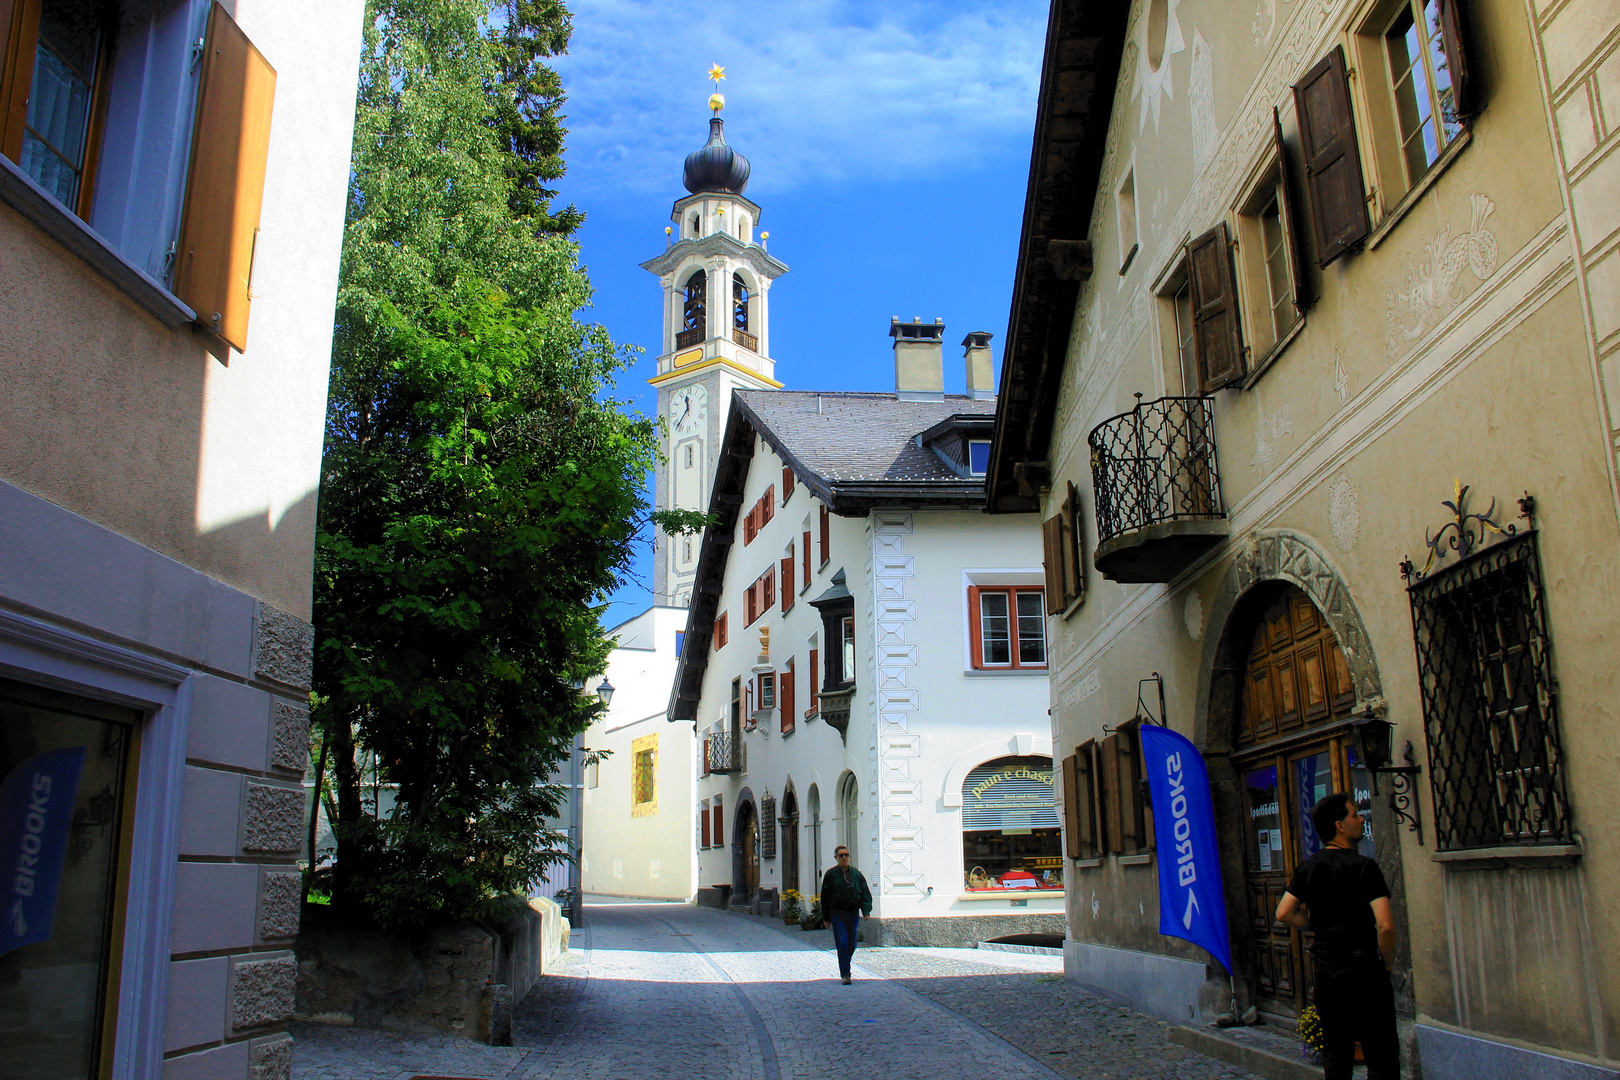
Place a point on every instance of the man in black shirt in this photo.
(1347, 903)
(845, 897)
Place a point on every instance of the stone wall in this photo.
(460, 979)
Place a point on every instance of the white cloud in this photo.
(818, 91)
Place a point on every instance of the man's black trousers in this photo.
(1358, 1005)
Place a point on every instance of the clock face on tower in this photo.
(688, 409)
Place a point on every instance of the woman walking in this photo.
(845, 898)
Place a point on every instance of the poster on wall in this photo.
(36, 809)
(1192, 903)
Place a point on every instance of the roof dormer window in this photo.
(978, 456)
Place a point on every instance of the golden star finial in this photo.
(716, 73)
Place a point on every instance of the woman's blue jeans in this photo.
(843, 928)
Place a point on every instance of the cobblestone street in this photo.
(666, 990)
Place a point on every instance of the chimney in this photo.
(919, 359)
(981, 384)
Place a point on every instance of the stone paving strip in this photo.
(667, 990)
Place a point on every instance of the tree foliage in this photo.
(480, 491)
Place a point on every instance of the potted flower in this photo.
(813, 917)
(1313, 1041)
(792, 906)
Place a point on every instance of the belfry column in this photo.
(716, 276)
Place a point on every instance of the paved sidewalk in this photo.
(666, 990)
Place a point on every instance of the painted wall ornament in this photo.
(1431, 287)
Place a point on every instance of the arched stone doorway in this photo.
(849, 816)
(1286, 665)
(745, 850)
(790, 839)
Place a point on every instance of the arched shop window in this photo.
(1010, 834)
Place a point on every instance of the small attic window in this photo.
(978, 456)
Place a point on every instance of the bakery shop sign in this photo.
(1009, 794)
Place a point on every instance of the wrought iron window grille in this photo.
(1486, 681)
(1154, 464)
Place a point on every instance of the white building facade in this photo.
(865, 662)
(638, 835)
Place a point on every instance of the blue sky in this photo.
(890, 150)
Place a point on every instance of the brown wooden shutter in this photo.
(703, 812)
(1109, 781)
(788, 480)
(1453, 30)
(1292, 219)
(1217, 337)
(1071, 806)
(804, 559)
(815, 683)
(19, 25)
(1327, 132)
(1085, 769)
(826, 536)
(1052, 560)
(767, 506)
(230, 145)
(1130, 791)
(719, 830)
(787, 581)
(1074, 575)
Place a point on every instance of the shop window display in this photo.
(65, 782)
(1011, 840)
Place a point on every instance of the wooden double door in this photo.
(747, 834)
(1293, 749)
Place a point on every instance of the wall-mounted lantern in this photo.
(1373, 739)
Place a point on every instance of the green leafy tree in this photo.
(481, 492)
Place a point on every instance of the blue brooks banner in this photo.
(1192, 904)
(36, 809)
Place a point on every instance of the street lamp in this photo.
(604, 692)
(1373, 737)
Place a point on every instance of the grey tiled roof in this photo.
(845, 437)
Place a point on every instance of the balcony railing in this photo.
(745, 339)
(1158, 491)
(685, 339)
(725, 752)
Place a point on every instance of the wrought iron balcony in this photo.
(685, 339)
(725, 752)
(1158, 492)
(745, 339)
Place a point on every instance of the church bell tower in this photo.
(716, 276)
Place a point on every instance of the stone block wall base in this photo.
(1455, 1055)
(958, 931)
(1164, 986)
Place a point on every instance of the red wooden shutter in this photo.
(1217, 337)
(1288, 195)
(815, 683)
(770, 590)
(788, 480)
(1453, 29)
(975, 633)
(1052, 559)
(219, 225)
(718, 833)
(784, 691)
(1327, 132)
(1071, 806)
(805, 557)
(826, 536)
(703, 814)
(767, 505)
(787, 581)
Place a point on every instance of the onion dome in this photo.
(716, 167)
